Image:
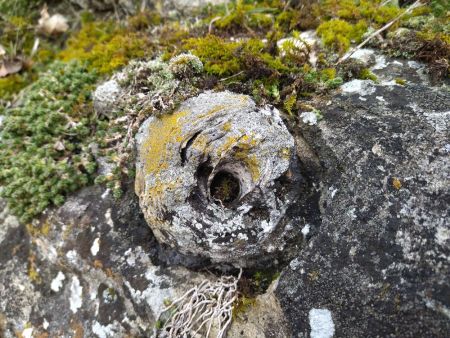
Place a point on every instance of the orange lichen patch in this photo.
(163, 132)
(396, 183)
(78, 330)
(98, 264)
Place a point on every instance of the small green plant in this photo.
(44, 141)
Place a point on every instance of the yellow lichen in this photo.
(240, 146)
(163, 132)
(33, 274)
(40, 230)
(396, 183)
(226, 126)
(285, 153)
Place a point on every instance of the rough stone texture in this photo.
(181, 158)
(376, 263)
(264, 318)
(105, 97)
(380, 259)
(89, 268)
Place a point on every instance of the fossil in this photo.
(218, 177)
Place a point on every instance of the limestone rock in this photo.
(379, 264)
(219, 178)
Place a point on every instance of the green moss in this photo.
(224, 58)
(289, 103)
(105, 46)
(44, 142)
(338, 34)
(366, 74)
(246, 15)
(144, 20)
(12, 84)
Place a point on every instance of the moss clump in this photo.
(105, 47)
(246, 16)
(44, 142)
(224, 58)
(185, 65)
(399, 81)
(12, 84)
(338, 34)
(366, 74)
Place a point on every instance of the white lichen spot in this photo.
(108, 218)
(45, 324)
(365, 55)
(305, 230)
(361, 87)
(333, 191)
(57, 282)
(351, 213)
(103, 331)
(294, 264)
(321, 323)
(72, 256)
(76, 292)
(380, 62)
(414, 64)
(380, 98)
(131, 257)
(439, 120)
(309, 117)
(106, 193)
(27, 333)
(377, 149)
(95, 247)
(442, 235)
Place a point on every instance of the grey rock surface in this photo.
(219, 178)
(105, 97)
(379, 264)
(375, 262)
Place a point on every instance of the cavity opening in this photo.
(225, 188)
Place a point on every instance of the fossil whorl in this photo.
(217, 178)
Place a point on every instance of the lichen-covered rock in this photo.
(219, 178)
(87, 269)
(379, 264)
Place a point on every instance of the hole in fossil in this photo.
(225, 188)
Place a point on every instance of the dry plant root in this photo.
(207, 305)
